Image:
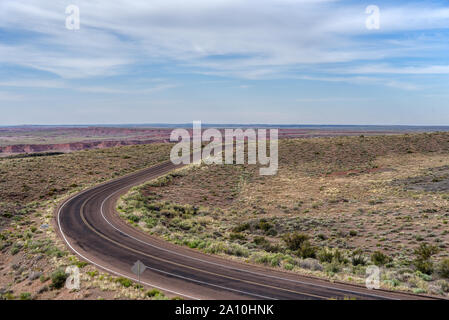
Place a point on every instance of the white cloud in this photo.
(385, 69)
(7, 96)
(33, 83)
(112, 90)
(363, 80)
(233, 38)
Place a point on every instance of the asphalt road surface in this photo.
(92, 229)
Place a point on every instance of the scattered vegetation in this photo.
(314, 216)
(423, 255)
(31, 186)
(380, 259)
(58, 278)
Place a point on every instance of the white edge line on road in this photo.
(211, 284)
(186, 256)
(231, 268)
(105, 268)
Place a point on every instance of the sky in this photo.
(224, 61)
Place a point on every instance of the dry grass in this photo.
(30, 190)
(355, 194)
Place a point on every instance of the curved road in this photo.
(92, 229)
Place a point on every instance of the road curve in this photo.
(92, 229)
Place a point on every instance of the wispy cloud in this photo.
(385, 69)
(363, 80)
(8, 96)
(183, 51)
(112, 90)
(258, 41)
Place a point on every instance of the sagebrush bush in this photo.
(380, 259)
(260, 241)
(124, 282)
(327, 255)
(237, 236)
(153, 293)
(241, 227)
(358, 259)
(333, 267)
(425, 251)
(295, 240)
(424, 266)
(443, 268)
(306, 250)
(423, 255)
(58, 278)
(25, 296)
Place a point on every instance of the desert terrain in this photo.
(36, 139)
(337, 205)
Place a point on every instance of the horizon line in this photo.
(182, 124)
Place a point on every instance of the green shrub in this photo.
(7, 296)
(425, 251)
(237, 250)
(272, 248)
(14, 250)
(444, 285)
(339, 257)
(380, 259)
(423, 276)
(424, 266)
(358, 259)
(58, 278)
(237, 236)
(288, 266)
(321, 236)
(151, 222)
(295, 240)
(25, 296)
(124, 282)
(153, 293)
(423, 255)
(81, 264)
(307, 250)
(333, 267)
(443, 268)
(93, 273)
(325, 255)
(241, 227)
(260, 241)
(133, 218)
(271, 259)
(265, 226)
(43, 278)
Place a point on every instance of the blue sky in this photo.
(224, 61)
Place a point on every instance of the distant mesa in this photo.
(73, 146)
